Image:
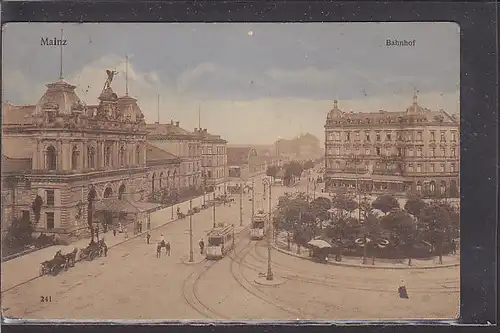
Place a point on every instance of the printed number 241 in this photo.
(45, 299)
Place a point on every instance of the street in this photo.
(131, 283)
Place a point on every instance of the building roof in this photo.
(414, 113)
(206, 136)
(155, 154)
(17, 114)
(59, 94)
(15, 164)
(170, 129)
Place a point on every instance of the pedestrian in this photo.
(140, 227)
(202, 245)
(114, 231)
(162, 241)
(158, 250)
(453, 247)
(148, 236)
(402, 290)
(167, 248)
(126, 233)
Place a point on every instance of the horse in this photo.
(71, 257)
(158, 250)
(103, 248)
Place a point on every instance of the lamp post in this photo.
(269, 276)
(214, 209)
(191, 231)
(253, 197)
(241, 204)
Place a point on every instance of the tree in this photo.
(272, 171)
(385, 203)
(344, 204)
(437, 220)
(308, 165)
(36, 206)
(414, 205)
(19, 233)
(403, 228)
(320, 207)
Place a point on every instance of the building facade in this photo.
(416, 150)
(66, 156)
(183, 144)
(213, 161)
(304, 147)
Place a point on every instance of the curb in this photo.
(334, 263)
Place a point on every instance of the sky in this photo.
(250, 83)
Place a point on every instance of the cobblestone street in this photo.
(131, 283)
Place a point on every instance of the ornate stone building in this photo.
(414, 150)
(71, 155)
(213, 161)
(183, 144)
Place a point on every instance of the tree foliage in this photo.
(308, 165)
(36, 206)
(272, 171)
(320, 207)
(414, 205)
(19, 233)
(385, 203)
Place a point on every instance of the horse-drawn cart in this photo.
(93, 250)
(55, 265)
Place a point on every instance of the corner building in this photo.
(416, 150)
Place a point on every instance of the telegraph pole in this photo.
(241, 205)
(270, 276)
(191, 231)
(253, 197)
(214, 209)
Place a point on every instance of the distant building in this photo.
(213, 161)
(251, 160)
(414, 150)
(303, 147)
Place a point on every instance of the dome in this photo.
(335, 112)
(128, 107)
(59, 95)
(415, 107)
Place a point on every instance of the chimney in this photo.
(171, 121)
(177, 123)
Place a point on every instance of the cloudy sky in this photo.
(252, 82)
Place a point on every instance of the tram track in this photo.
(328, 281)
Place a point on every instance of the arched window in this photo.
(122, 156)
(51, 158)
(91, 157)
(153, 183)
(419, 187)
(74, 158)
(107, 156)
(138, 155)
(433, 187)
(442, 188)
(107, 192)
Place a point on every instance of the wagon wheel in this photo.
(92, 255)
(54, 270)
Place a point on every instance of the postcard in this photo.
(229, 172)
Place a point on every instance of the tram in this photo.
(258, 230)
(220, 241)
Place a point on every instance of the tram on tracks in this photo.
(220, 241)
(257, 230)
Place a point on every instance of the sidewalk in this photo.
(448, 261)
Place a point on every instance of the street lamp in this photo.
(213, 203)
(241, 204)
(253, 197)
(269, 276)
(191, 231)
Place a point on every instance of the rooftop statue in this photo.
(111, 75)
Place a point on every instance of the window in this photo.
(358, 151)
(452, 167)
(357, 136)
(367, 152)
(209, 174)
(337, 151)
(377, 135)
(91, 157)
(410, 167)
(138, 155)
(337, 165)
(49, 197)
(443, 152)
(49, 217)
(388, 136)
(419, 167)
(443, 137)
(378, 151)
(74, 158)
(442, 167)
(433, 136)
(419, 152)
(400, 136)
(400, 152)
(25, 215)
(51, 158)
(454, 136)
(419, 187)
(432, 167)
(410, 152)
(432, 152)
(419, 136)
(367, 136)
(209, 150)
(107, 156)
(337, 136)
(453, 152)
(348, 136)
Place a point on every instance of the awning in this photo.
(364, 177)
(124, 206)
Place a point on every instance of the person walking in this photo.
(148, 236)
(202, 245)
(402, 290)
(158, 250)
(162, 241)
(167, 248)
(114, 231)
